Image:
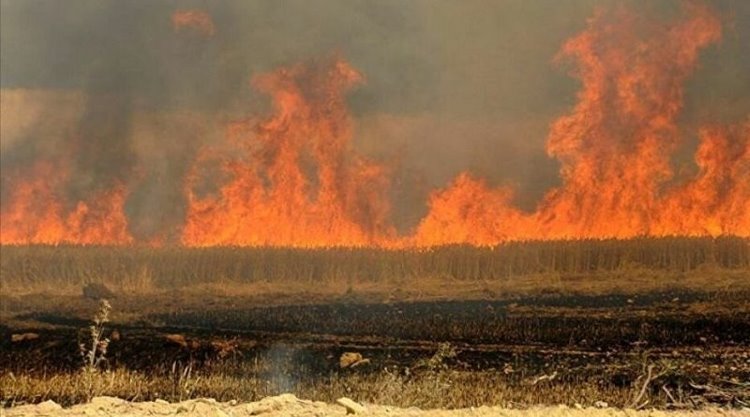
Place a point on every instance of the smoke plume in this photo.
(371, 123)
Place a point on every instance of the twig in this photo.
(643, 388)
(669, 394)
(674, 402)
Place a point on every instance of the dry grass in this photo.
(515, 267)
(134, 305)
(149, 280)
(442, 388)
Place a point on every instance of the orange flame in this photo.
(297, 181)
(470, 212)
(615, 150)
(717, 201)
(196, 20)
(35, 214)
(615, 147)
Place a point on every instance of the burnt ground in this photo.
(704, 338)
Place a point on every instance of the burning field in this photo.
(294, 177)
(366, 219)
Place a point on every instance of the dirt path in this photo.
(288, 405)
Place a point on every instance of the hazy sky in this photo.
(451, 85)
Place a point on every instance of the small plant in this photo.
(183, 383)
(437, 361)
(649, 374)
(95, 353)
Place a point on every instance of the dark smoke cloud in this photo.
(450, 86)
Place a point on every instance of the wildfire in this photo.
(293, 178)
(615, 149)
(717, 200)
(36, 214)
(468, 211)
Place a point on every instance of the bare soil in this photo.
(289, 405)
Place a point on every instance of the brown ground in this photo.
(289, 405)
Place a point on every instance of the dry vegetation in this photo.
(639, 323)
(27, 269)
(440, 385)
(439, 389)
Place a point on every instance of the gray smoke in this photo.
(451, 86)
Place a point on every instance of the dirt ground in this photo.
(288, 405)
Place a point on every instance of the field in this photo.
(631, 323)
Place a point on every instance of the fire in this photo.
(36, 214)
(294, 178)
(717, 200)
(615, 146)
(468, 211)
(615, 149)
(195, 20)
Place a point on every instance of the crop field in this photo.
(635, 323)
(34, 268)
(379, 208)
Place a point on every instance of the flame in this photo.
(615, 146)
(615, 149)
(717, 201)
(294, 178)
(468, 211)
(196, 20)
(36, 215)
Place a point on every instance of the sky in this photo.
(450, 85)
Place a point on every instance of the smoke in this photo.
(196, 20)
(615, 147)
(125, 94)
